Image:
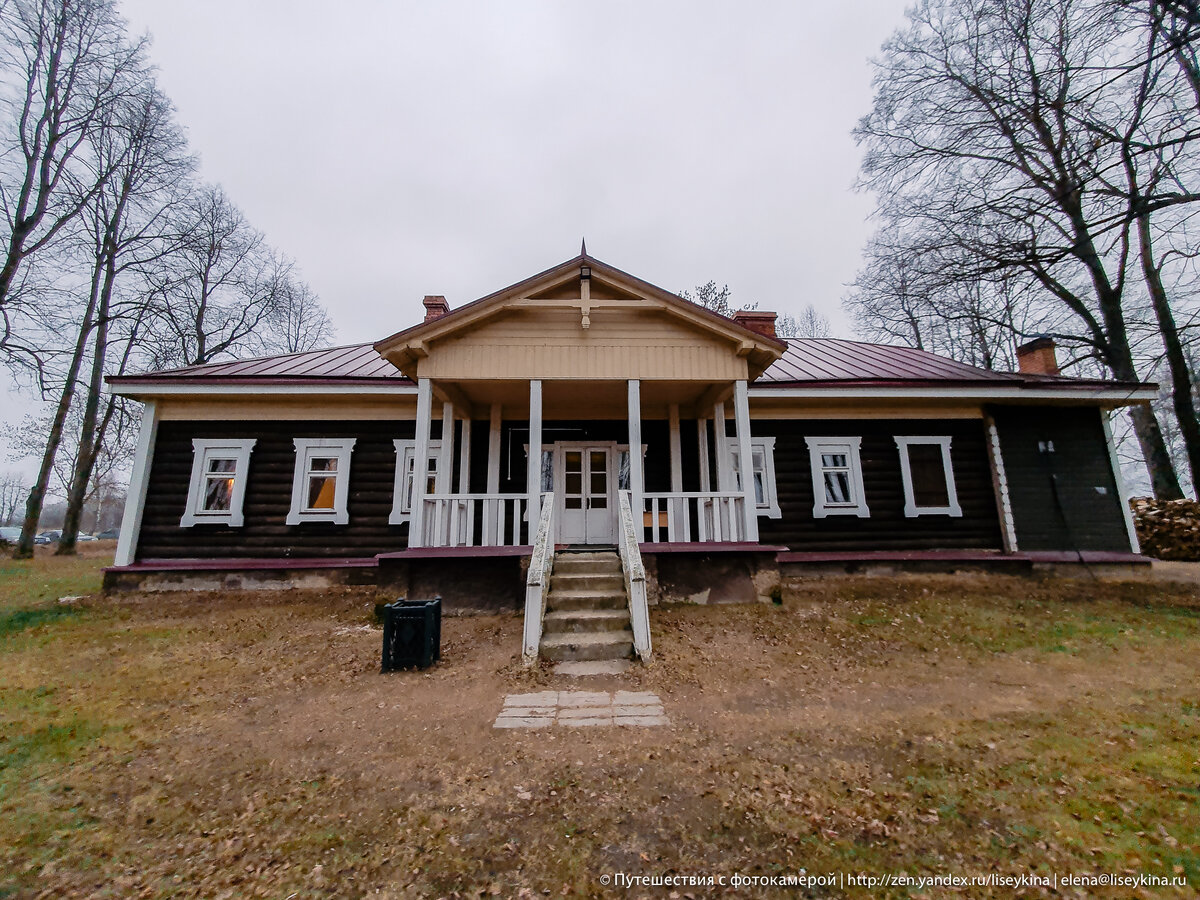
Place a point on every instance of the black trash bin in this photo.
(412, 634)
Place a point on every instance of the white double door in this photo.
(585, 486)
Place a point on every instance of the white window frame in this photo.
(850, 447)
(769, 506)
(306, 449)
(406, 454)
(204, 449)
(911, 510)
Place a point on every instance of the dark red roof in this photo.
(807, 361)
(354, 362)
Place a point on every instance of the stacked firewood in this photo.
(1168, 529)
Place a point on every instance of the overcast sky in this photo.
(401, 149)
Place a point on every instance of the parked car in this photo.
(47, 537)
(10, 534)
(109, 534)
(84, 537)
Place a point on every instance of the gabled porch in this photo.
(479, 482)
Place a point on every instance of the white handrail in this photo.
(450, 519)
(635, 579)
(717, 515)
(541, 564)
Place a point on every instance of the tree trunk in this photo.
(85, 459)
(1119, 358)
(37, 493)
(1181, 375)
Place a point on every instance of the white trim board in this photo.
(1067, 393)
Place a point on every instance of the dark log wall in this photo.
(372, 474)
(269, 494)
(887, 528)
(1066, 499)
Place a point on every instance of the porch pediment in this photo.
(582, 319)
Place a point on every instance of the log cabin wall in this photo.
(269, 493)
(1060, 479)
(887, 528)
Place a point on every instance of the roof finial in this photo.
(583, 247)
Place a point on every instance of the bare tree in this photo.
(65, 61)
(976, 144)
(126, 225)
(710, 297)
(811, 323)
(299, 321)
(12, 492)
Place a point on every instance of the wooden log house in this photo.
(431, 460)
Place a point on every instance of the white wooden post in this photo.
(636, 482)
(724, 479)
(493, 510)
(533, 484)
(135, 499)
(446, 459)
(741, 411)
(676, 449)
(464, 458)
(1122, 489)
(702, 436)
(493, 473)
(416, 527)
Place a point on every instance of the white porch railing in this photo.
(450, 520)
(635, 579)
(541, 564)
(717, 515)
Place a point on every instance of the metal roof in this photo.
(808, 361)
(352, 362)
(834, 359)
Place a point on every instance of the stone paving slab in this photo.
(581, 709)
(587, 669)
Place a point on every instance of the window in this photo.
(837, 477)
(218, 483)
(762, 455)
(402, 493)
(928, 477)
(321, 483)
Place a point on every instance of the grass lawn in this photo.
(245, 745)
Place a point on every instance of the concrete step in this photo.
(581, 647)
(587, 563)
(585, 620)
(585, 600)
(562, 581)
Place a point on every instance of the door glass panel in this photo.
(599, 479)
(573, 479)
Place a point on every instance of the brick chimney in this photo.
(1037, 357)
(757, 320)
(435, 307)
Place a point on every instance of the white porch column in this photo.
(636, 483)
(533, 484)
(135, 500)
(446, 457)
(416, 526)
(721, 449)
(676, 449)
(741, 411)
(702, 436)
(464, 458)
(493, 470)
